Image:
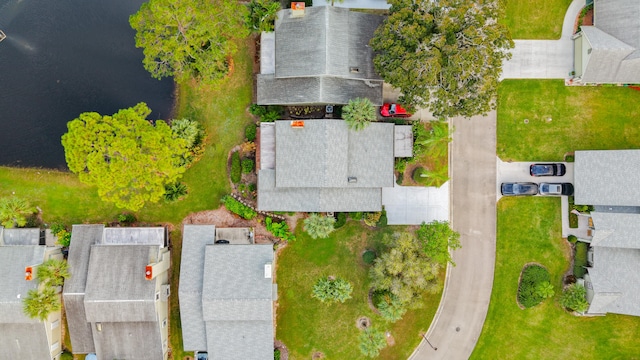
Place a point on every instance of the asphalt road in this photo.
(459, 320)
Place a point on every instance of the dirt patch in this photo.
(317, 355)
(390, 339)
(363, 322)
(284, 352)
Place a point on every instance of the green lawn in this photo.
(563, 119)
(222, 111)
(305, 325)
(528, 230)
(527, 19)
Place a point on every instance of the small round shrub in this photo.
(175, 191)
(236, 170)
(419, 175)
(356, 215)
(250, 132)
(247, 165)
(66, 356)
(257, 110)
(341, 219)
(368, 257)
(126, 218)
(531, 278)
(572, 239)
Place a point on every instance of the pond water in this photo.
(61, 58)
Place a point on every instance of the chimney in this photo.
(267, 270)
(297, 9)
(154, 269)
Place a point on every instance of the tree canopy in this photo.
(188, 38)
(437, 239)
(261, 15)
(446, 55)
(318, 226)
(359, 113)
(129, 159)
(14, 211)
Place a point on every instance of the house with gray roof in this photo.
(116, 300)
(607, 179)
(319, 55)
(22, 337)
(609, 51)
(323, 166)
(226, 296)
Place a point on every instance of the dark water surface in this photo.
(62, 58)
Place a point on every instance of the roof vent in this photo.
(267, 270)
(28, 273)
(297, 124)
(354, 70)
(352, 179)
(297, 9)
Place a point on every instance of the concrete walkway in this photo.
(544, 59)
(412, 205)
(458, 322)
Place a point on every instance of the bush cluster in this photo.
(580, 259)
(269, 113)
(532, 277)
(236, 169)
(238, 208)
(332, 290)
(356, 215)
(368, 257)
(341, 219)
(574, 297)
(391, 308)
(247, 165)
(372, 218)
(279, 229)
(175, 191)
(60, 231)
(250, 132)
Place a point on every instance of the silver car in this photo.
(518, 189)
(556, 189)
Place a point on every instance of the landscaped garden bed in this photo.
(429, 165)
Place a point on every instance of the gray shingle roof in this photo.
(117, 290)
(620, 18)
(325, 153)
(240, 340)
(607, 177)
(130, 340)
(134, 236)
(323, 57)
(24, 341)
(616, 230)
(19, 236)
(194, 240)
(615, 277)
(13, 286)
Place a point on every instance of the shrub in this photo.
(14, 212)
(390, 307)
(253, 187)
(236, 169)
(371, 342)
(545, 290)
(276, 354)
(358, 113)
(532, 276)
(247, 165)
(400, 178)
(383, 218)
(318, 226)
(270, 116)
(257, 110)
(574, 298)
(580, 259)
(329, 290)
(60, 231)
(66, 356)
(569, 158)
(420, 175)
(126, 218)
(368, 256)
(572, 239)
(356, 215)
(372, 218)
(341, 219)
(279, 229)
(238, 208)
(261, 15)
(175, 191)
(250, 132)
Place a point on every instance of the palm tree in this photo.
(358, 113)
(318, 226)
(53, 272)
(371, 342)
(14, 211)
(436, 141)
(39, 304)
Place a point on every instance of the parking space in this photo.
(519, 172)
(412, 205)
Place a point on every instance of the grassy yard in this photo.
(528, 230)
(307, 326)
(222, 111)
(528, 19)
(563, 119)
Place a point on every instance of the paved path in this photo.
(411, 205)
(465, 301)
(544, 59)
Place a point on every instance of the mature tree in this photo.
(330, 290)
(405, 270)
(391, 308)
(14, 211)
(318, 226)
(444, 54)
(372, 341)
(358, 113)
(574, 297)
(261, 15)
(53, 272)
(129, 159)
(39, 304)
(188, 38)
(438, 239)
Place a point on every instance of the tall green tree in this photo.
(405, 270)
(261, 15)
(188, 38)
(14, 211)
(318, 226)
(438, 239)
(446, 54)
(53, 272)
(126, 157)
(39, 304)
(358, 113)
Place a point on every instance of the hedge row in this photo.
(580, 259)
(239, 208)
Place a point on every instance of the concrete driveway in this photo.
(412, 205)
(518, 171)
(458, 322)
(544, 59)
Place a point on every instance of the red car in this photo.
(394, 110)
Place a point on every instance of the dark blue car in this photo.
(518, 189)
(547, 169)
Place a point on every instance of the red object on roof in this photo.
(148, 272)
(394, 110)
(297, 6)
(28, 273)
(297, 123)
